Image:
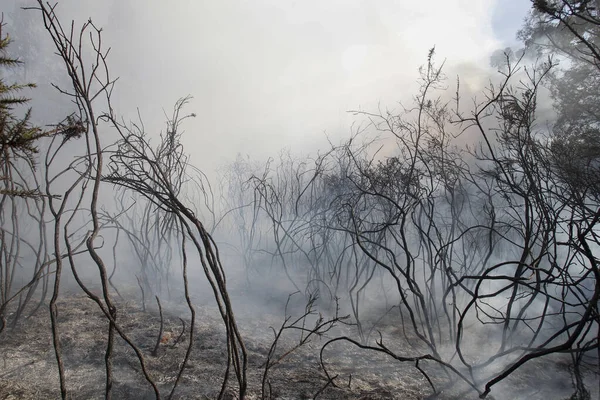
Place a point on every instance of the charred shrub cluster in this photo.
(462, 221)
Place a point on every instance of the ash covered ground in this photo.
(28, 365)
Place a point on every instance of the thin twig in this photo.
(160, 331)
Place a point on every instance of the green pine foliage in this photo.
(18, 137)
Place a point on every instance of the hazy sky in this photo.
(267, 74)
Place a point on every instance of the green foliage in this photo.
(568, 27)
(569, 31)
(18, 137)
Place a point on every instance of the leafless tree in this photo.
(162, 175)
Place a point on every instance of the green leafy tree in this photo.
(569, 27)
(569, 31)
